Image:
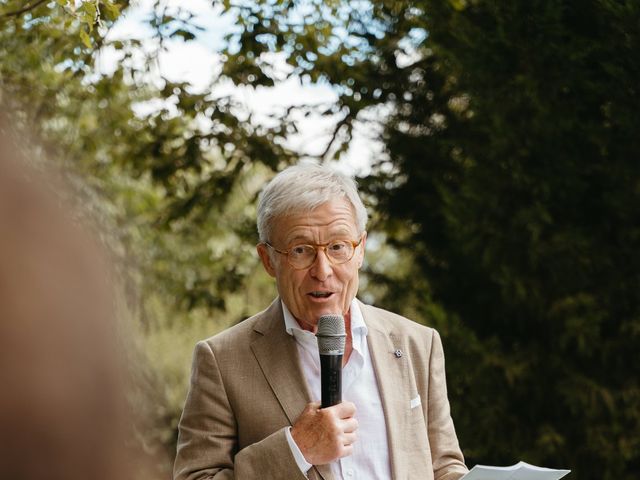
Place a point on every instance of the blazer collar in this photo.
(276, 353)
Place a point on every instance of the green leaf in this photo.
(110, 10)
(86, 39)
(90, 8)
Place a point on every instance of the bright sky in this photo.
(196, 62)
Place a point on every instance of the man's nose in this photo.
(321, 267)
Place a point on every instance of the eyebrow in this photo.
(341, 234)
(298, 238)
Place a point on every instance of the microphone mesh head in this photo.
(331, 335)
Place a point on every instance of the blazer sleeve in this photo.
(207, 434)
(448, 462)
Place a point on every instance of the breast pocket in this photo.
(416, 415)
(417, 435)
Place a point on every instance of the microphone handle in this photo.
(330, 380)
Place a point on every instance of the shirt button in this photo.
(350, 473)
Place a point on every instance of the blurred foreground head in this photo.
(62, 412)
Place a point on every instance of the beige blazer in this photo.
(246, 386)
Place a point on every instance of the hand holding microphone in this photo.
(325, 432)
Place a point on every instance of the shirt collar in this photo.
(357, 321)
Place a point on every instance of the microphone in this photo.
(331, 340)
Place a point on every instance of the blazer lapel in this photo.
(392, 375)
(276, 353)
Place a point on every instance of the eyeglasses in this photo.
(302, 256)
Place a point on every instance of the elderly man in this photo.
(252, 411)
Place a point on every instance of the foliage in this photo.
(512, 176)
(173, 184)
(505, 206)
(170, 198)
(521, 146)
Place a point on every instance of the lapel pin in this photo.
(398, 353)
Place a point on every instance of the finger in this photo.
(349, 438)
(345, 451)
(349, 425)
(340, 410)
(346, 409)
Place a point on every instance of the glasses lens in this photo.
(301, 256)
(340, 251)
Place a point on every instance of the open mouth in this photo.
(320, 294)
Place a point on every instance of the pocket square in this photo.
(415, 402)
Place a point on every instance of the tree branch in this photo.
(26, 8)
(345, 121)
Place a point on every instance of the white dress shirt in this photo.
(370, 458)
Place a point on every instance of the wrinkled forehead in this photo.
(333, 217)
(339, 205)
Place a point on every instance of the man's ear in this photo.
(362, 249)
(267, 263)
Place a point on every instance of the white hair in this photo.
(302, 188)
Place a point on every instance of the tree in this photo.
(176, 171)
(524, 165)
(167, 196)
(512, 176)
(507, 195)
